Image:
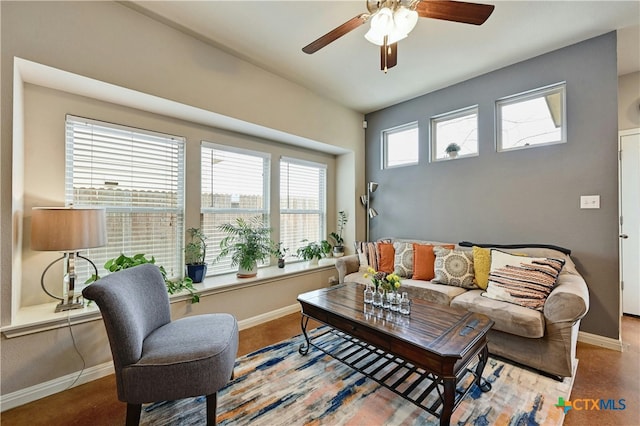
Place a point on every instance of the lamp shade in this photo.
(67, 229)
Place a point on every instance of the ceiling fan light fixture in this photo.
(378, 39)
(382, 22)
(396, 25)
(405, 19)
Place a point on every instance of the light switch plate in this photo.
(589, 201)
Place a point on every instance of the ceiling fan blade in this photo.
(457, 11)
(336, 33)
(388, 56)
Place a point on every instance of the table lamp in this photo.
(67, 230)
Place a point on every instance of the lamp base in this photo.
(62, 307)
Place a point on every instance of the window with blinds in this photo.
(234, 183)
(138, 177)
(302, 203)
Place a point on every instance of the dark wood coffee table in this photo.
(424, 357)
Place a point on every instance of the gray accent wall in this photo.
(524, 196)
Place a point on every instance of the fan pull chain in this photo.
(387, 52)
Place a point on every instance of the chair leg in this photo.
(212, 403)
(133, 414)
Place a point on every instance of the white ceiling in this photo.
(436, 54)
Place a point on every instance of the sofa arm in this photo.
(569, 300)
(347, 265)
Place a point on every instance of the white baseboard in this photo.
(605, 342)
(33, 393)
(268, 316)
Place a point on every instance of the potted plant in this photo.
(194, 255)
(248, 242)
(281, 253)
(338, 248)
(452, 149)
(313, 251)
(124, 262)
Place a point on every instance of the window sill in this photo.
(38, 318)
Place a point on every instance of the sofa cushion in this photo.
(367, 254)
(522, 280)
(386, 255)
(403, 259)
(433, 292)
(481, 266)
(508, 317)
(424, 259)
(454, 267)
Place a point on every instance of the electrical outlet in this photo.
(589, 201)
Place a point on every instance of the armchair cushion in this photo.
(188, 357)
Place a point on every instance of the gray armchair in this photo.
(157, 359)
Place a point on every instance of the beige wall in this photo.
(44, 165)
(112, 43)
(629, 101)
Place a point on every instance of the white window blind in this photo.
(234, 183)
(302, 202)
(138, 177)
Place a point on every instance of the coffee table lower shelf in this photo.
(423, 388)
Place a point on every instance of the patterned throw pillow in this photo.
(403, 259)
(424, 259)
(522, 280)
(454, 267)
(368, 253)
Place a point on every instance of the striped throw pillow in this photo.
(367, 253)
(524, 281)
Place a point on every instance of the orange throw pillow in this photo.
(423, 260)
(386, 255)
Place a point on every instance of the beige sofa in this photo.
(543, 340)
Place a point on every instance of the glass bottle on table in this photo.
(377, 297)
(368, 294)
(405, 304)
(386, 298)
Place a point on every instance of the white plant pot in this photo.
(247, 273)
(453, 154)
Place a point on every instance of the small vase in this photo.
(405, 304)
(280, 263)
(385, 299)
(394, 302)
(377, 297)
(368, 294)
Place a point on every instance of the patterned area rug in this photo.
(278, 386)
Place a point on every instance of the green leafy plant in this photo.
(124, 262)
(280, 250)
(313, 250)
(196, 249)
(248, 242)
(452, 147)
(337, 236)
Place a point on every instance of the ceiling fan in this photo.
(393, 20)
